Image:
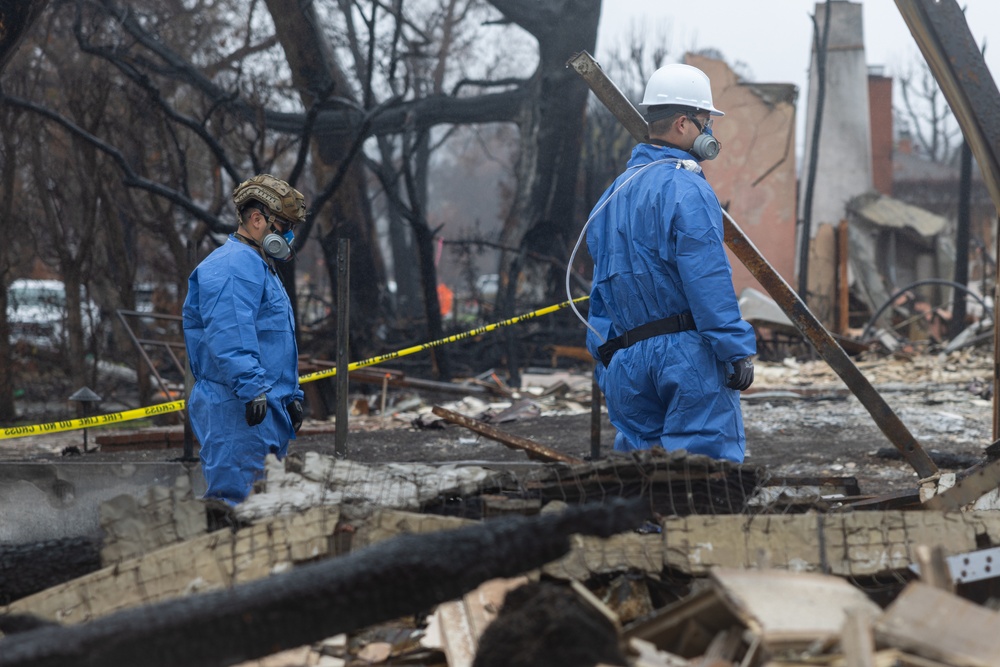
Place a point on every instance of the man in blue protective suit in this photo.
(673, 351)
(239, 331)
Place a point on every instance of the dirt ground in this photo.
(800, 419)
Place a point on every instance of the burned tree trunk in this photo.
(314, 70)
(544, 217)
(16, 17)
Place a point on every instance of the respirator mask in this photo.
(706, 146)
(279, 245)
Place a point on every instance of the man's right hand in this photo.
(256, 409)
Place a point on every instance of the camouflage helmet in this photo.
(278, 196)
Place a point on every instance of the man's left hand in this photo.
(296, 412)
(742, 375)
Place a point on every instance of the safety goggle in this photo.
(285, 225)
(702, 125)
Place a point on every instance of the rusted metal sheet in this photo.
(533, 449)
(780, 291)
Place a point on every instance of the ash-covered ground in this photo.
(800, 420)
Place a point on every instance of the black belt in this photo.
(668, 325)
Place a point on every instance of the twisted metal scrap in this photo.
(402, 576)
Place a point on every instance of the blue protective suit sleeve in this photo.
(229, 310)
(230, 333)
(705, 272)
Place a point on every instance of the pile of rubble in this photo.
(656, 560)
(646, 560)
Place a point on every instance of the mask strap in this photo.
(666, 144)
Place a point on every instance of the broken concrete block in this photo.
(163, 516)
(207, 562)
(848, 544)
(385, 524)
(591, 555)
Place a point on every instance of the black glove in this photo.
(295, 412)
(256, 409)
(742, 375)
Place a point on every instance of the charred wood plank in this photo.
(534, 449)
(403, 576)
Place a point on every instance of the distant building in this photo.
(755, 175)
(932, 188)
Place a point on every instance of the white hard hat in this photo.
(680, 85)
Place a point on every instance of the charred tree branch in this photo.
(143, 81)
(131, 178)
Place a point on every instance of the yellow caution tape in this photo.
(88, 422)
(318, 375)
(176, 406)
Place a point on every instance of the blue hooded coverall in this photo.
(658, 251)
(239, 331)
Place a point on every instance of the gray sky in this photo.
(774, 37)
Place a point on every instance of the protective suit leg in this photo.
(670, 391)
(232, 453)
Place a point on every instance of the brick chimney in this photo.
(880, 114)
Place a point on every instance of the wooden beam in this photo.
(937, 625)
(533, 449)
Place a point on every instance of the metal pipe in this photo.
(963, 224)
(805, 228)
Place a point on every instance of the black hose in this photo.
(928, 281)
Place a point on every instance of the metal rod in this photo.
(343, 328)
(533, 449)
(996, 338)
(843, 288)
(142, 352)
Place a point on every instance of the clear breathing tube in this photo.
(583, 234)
